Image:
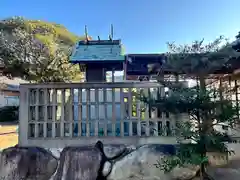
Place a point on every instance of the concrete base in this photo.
(83, 141)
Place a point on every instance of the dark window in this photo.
(167, 114)
(224, 127)
(159, 113)
(168, 129)
(160, 132)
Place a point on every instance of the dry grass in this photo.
(8, 140)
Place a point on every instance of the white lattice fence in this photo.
(62, 114)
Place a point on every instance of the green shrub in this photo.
(9, 113)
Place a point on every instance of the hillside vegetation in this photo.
(45, 30)
(38, 49)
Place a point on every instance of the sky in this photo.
(144, 26)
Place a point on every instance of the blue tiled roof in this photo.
(97, 51)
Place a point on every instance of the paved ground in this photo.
(8, 135)
(233, 164)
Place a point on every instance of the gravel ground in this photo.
(8, 136)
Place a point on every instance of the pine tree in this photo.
(206, 106)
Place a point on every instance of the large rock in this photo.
(113, 150)
(79, 163)
(84, 163)
(27, 163)
(141, 164)
(183, 173)
(87, 163)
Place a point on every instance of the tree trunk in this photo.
(204, 129)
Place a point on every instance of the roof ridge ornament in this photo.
(111, 37)
(86, 35)
(111, 33)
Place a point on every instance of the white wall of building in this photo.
(2, 100)
(8, 100)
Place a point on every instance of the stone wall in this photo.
(83, 163)
(116, 162)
